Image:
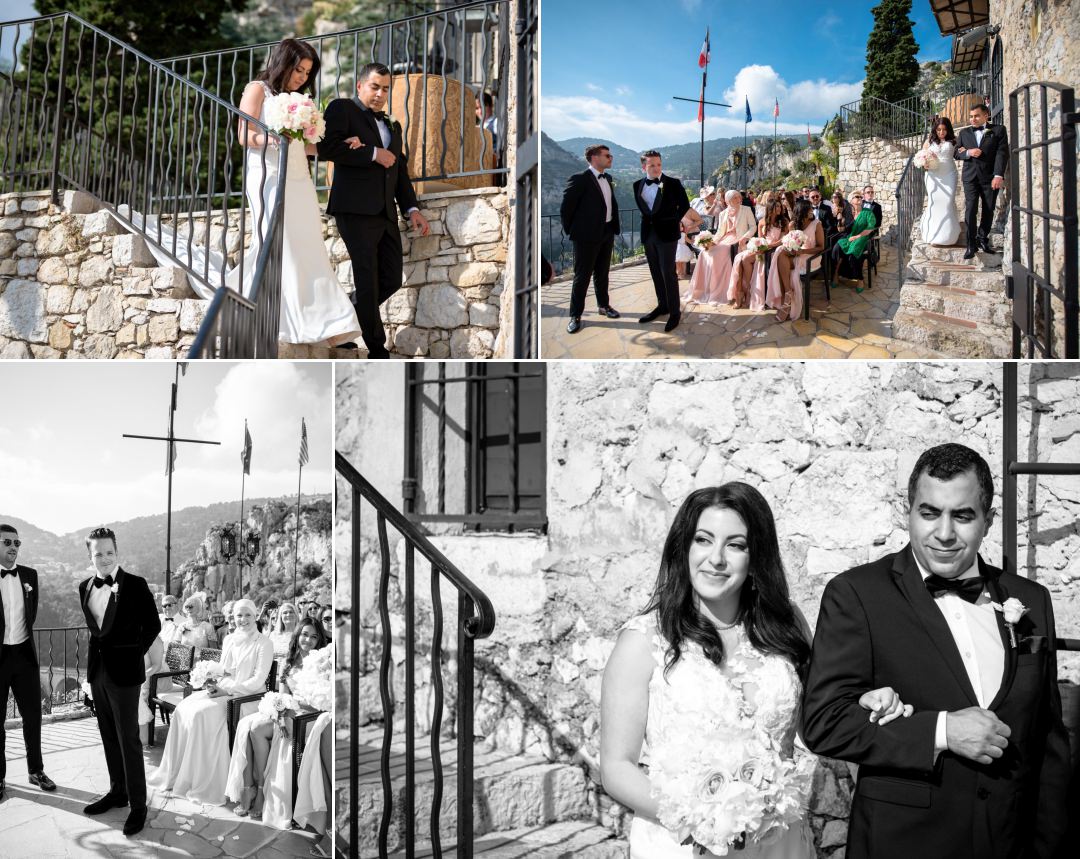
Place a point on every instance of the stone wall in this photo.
(873, 162)
(831, 448)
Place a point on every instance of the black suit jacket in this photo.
(994, 158)
(27, 576)
(583, 212)
(127, 630)
(361, 185)
(828, 220)
(669, 207)
(878, 626)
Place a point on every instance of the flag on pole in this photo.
(303, 443)
(703, 56)
(776, 110)
(245, 455)
(749, 118)
(701, 103)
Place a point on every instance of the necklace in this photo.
(724, 627)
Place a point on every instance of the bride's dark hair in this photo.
(765, 607)
(950, 135)
(284, 60)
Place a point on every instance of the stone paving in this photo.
(852, 325)
(47, 825)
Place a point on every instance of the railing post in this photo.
(465, 732)
(54, 173)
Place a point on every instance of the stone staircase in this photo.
(952, 305)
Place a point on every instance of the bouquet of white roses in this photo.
(206, 671)
(277, 704)
(758, 246)
(794, 241)
(313, 684)
(704, 240)
(295, 115)
(925, 159)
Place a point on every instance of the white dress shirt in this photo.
(98, 600)
(15, 630)
(974, 628)
(605, 189)
(649, 192)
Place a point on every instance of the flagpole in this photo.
(746, 155)
(240, 543)
(774, 118)
(703, 74)
(168, 509)
(296, 538)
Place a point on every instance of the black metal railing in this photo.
(527, 182)
(440, 63)
(62, 658)
(903, 122)
(559, 250)
(81, 110)
(910, 197)
(475, 620)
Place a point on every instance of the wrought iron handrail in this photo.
(154, 148)
(910, 196)
(560, 254)
(435, 44)
(476, 620)
(875, 117)
(54, 662)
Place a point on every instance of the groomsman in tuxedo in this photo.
(18, 659)
(662, 201)
(823, 212)
(984, 149)
(590, 216)
(123, 623)
(981, 768)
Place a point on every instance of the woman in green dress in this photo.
(847, 252)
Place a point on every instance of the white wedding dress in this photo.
(940, 224)
(769, 683)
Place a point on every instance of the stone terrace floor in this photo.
(853, 325)
(47, 825)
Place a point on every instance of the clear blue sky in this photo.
(613, 75)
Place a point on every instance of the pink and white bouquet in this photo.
(295, 115)
(758, 246)
(313, 683)
(277, 704)
(704, 240)
(207, 671)
(926, 159)
(794, 241)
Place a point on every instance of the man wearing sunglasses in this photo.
(18, 658)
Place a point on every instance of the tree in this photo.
(891, 67)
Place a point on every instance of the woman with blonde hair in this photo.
(282, 630)
(195, 630)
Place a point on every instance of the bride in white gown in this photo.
(940, 224)
(719, 637)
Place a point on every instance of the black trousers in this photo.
(591, 260)
(374, 245)
(661, 257)
(19, 674)
(118, 722)
(978, 194)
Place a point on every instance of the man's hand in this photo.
(419, 223)
(997, 183)
(354, 143)
(974, 153)
(976, 734)
(385, 157)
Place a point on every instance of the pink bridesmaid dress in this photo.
(775, 294)
(757, 277)
(713, 269)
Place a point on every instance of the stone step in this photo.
(957, 338)
(566, 840)
(958, 303)
(960, 275)
(952, 253)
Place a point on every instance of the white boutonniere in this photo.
(391, 121)
(115, 588)
(27, 589)
(1012, 610)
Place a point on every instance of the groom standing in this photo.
(123, 623)
(662, 200)
(981, 768)
(368, 181)
(984, 149)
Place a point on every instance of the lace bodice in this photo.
(762, 686)
(944, 152)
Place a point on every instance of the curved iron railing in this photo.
(903, 121)
(62, 657)
(559, 250)
(476, 620)
(160, 153)
(910, 196)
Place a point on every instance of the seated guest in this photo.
(282, 632)
(170, 617)
(326, 620)
(763, 203)
(847, 252)
(702, 204)
(748, 271)
(195, 629)
(822, 212)
(713, 272)
(230, 624)
(195, 762)
(258, 782)
(313, 611)
(789, 203)
(218, 622)
(842, 212)
(784, 290)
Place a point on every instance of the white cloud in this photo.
(623, 91)
(591, 87)
(815, 101)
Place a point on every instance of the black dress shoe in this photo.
(655, 313)
(984, 245)
(672, 323)
(1, 788)
(574, 325)
(609, 311)
(379, 355)
(349, 345)
(42, 781)
(136, 820)
(103, 804)
(969, 253)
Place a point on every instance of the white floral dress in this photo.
(762, 687)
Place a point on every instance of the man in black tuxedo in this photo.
(980, 769)
(123, 623)
(824, 213)
(590, 216)
(984, 149)
(663, 202)
(18, 657)
(368, 181)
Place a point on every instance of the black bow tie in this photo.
(12, 572)
(605, 176)
(108, 580)
(967, 589)
(378, 114)
(652, 181)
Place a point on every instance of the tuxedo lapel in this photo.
(999, 595)
(88, 587)
(659, 194)
(910, 582)
(114, 599)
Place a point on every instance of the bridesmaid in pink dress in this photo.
(713, 270)
(748, 270)
(784, 291)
